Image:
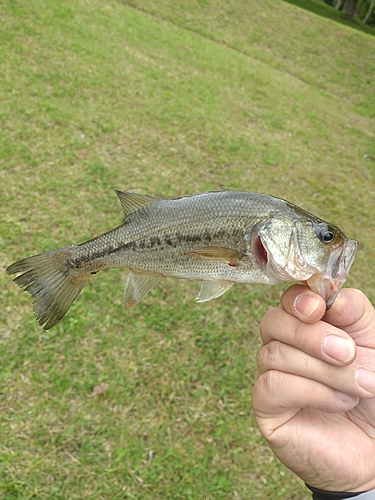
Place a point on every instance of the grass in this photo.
(166, 98)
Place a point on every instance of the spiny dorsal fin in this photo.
(131, 202)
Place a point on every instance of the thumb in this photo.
(353, 312)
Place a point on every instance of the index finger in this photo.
(298, 324)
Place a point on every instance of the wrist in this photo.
(339, 495)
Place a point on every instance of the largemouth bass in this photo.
(220, 238)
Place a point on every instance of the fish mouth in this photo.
(329, 282)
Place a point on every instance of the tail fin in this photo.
(51, 281)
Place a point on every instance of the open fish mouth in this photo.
(329, 283)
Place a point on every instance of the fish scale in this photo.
(220, 238)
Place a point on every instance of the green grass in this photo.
(167, 98)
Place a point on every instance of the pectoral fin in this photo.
(213, 289)
(137, 287)
(222, 254)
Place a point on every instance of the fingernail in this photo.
(351, 400)
(337, 348)
(306, 304)
(366, 379)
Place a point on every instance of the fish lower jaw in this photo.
(325, 286)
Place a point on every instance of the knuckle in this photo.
(271, 355)
(269, 383)
(268, 322)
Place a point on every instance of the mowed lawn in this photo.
(165, 98)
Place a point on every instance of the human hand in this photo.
(314, 400)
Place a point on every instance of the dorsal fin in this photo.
(131, 202)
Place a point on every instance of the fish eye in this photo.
(327, 236)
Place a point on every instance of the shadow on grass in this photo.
(320, 8)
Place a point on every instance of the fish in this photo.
(219, 238)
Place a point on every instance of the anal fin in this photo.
(213, 289)
(137, 287)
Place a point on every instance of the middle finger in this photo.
(285, 358)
